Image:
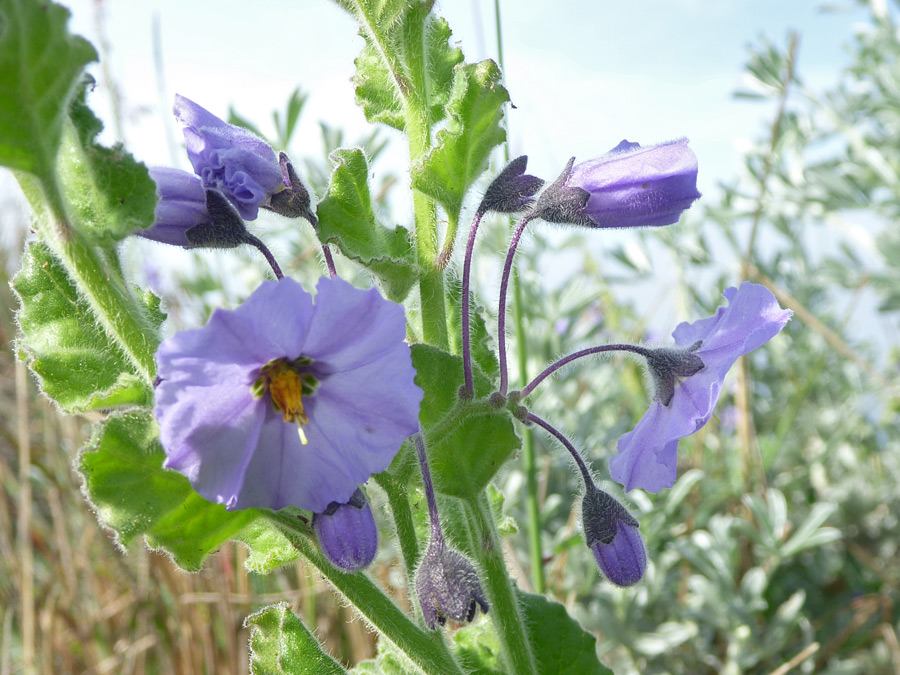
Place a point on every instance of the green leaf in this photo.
(79, 365)
(111, 193)
(346, 219)
(561, 646)
(269, 548)
(40, 63)
(134, 495)
(281, 645)
(468, 441)
(404, 43)
(474, 129)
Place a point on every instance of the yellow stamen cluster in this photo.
(286, 387)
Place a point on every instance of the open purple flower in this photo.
(647, 454)
(190, 216)
(230, 159)
(285, 403)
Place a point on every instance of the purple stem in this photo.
(255, 241)
(436, 533)
(326, 251)
(501, 312)
(467, 268)
(549, 370)
(588, 479)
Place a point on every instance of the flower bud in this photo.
(612, 535)
(512, 190)
(186, 215)
(667, 363)
(230, 159)
(293, 202)
(630, 186)
(347, 533)
(447, 586)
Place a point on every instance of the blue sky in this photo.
(583, 74)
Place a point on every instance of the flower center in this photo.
(287, 384)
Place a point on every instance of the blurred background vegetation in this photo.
(775, 552)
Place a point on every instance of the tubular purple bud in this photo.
(630, 186)
(189, 216)
(447, 586)
(347, 533)
(613, 537)
(230, 159)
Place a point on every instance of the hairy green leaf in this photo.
(482, 352)
(561, 646)
(40, 63)
(468, 441)
(111, 193)
(346, 218)
(79, 365)
(474, 129)
(407, 55)
(134, 495)
(281, 645)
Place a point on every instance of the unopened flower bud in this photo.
(230, 159)
(613, 537)
(667, 363)
(294, 202)
(512, 190)
(189, 216)
(447, 586)
(630, 186)
(347, 533)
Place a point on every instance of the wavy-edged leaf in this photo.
(110, 192)
(474, 129)
(468, 441)
(79, 365)
(346, 218)
(280, 644)
(134, 495)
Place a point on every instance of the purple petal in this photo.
(624, 560)
(647, 454)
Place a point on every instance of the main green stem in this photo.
(97, 278)
(500, 589)
(426, 650)
(398, 499)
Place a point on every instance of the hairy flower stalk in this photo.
(610, 531)
(446, 583)
(511, 191)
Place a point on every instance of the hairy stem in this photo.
(466, 281)
(501, 591)
(501, 311)
(590, 351)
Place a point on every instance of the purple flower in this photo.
(624, 559)
(285, 403)
(347, 533)
(647, 454)
(631, 186)
(612, 535)
(229, 159)
(189, 216)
